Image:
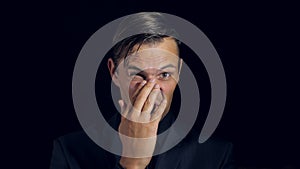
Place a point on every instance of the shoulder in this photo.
(73, 138)
(216, 144)
(212, 145)
(77, 142)
(215, 151)
(77, 150)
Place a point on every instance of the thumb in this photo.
(124, 108)
(121, 104)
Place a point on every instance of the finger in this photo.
(149, 103)
(143, 95)
(159, 110)
(137, 91)
(121, 104)
(124, 109)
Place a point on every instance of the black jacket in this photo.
(78, 151)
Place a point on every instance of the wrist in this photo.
(132, 163)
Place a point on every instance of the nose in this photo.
(151, 78)
(150, 74)
(154, 78)
(159, 97)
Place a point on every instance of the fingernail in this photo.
(143, 82)
(156, 86)
(152, 80)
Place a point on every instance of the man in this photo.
(146, 68)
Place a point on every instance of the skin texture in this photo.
(146, 79)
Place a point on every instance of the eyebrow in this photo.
(139, 69)
(168, 66)
(135, 68)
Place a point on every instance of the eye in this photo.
(132, 74)
(164, 76)
(137, 75)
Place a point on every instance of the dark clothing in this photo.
(78, 151)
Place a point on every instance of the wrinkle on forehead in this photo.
(151, 58)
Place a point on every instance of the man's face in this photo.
(159, 61)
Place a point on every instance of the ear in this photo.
(114, 74)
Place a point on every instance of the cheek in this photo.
(168, 88)
(133, 87)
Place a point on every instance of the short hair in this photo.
(138, 29)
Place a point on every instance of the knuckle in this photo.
(149, 85)
(164, 101)
(147, 113)
(147, 103)
(153, 95)
(145, 117)
(132, 117)
(140, 96)
(134, 110)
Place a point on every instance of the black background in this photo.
(258, 44)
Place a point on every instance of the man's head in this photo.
(145, 57)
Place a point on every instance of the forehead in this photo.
(168, 44)
(154, 55)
